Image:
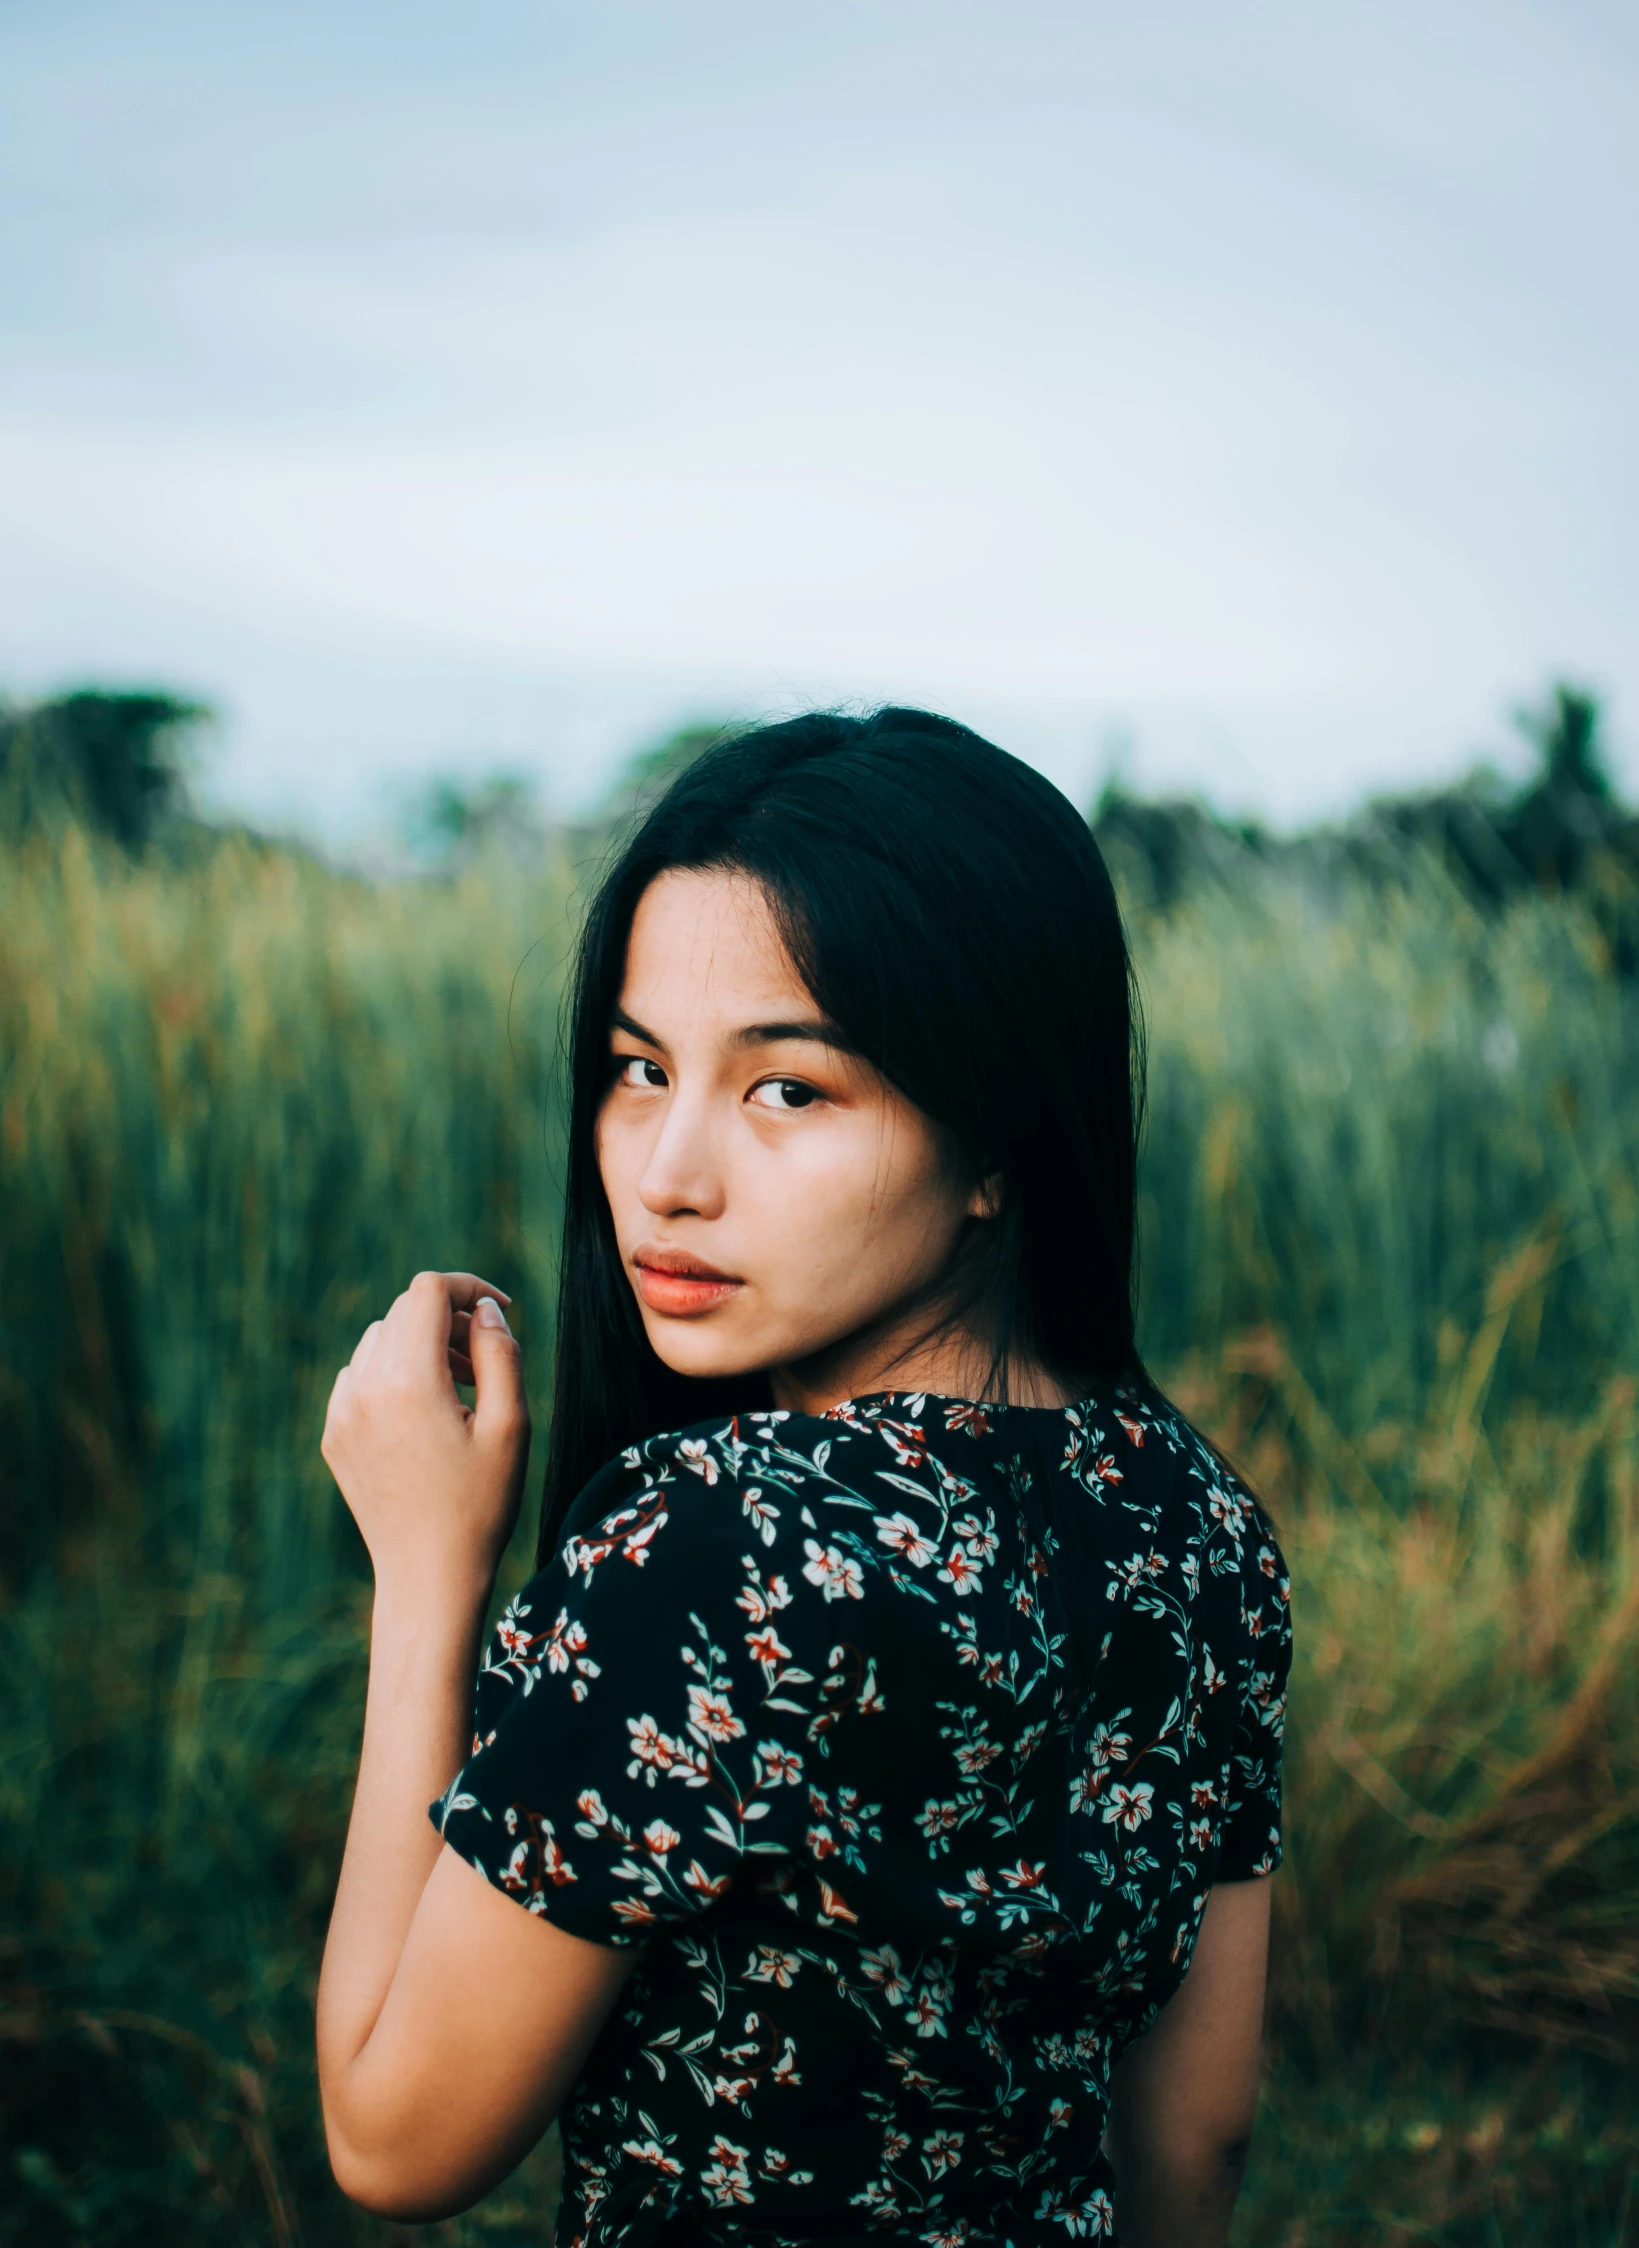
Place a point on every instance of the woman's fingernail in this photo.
(488, 1313)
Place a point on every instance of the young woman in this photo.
(885, 1759)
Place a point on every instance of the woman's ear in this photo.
(986, 1199)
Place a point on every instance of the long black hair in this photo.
(949, 911)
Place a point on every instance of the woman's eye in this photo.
(782, 1092)
(637, 1069)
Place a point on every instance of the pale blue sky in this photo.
(492, 386)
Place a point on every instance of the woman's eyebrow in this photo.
(814, 1028)
(620, 1020)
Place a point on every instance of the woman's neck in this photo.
(953, 1364)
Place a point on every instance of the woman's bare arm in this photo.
(450, 2022)
(1184, 2098)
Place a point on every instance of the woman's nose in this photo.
(683, 1176)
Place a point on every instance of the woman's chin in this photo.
(691, 1347)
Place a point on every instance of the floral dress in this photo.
(906, 1741)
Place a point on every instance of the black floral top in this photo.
(907, 1740)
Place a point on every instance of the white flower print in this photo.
(973, 1756)
(645, 2150)
(767, 1649)
(837, 1576)
(694, 1452)
(564, 1642)
(762, 1515)
(937, 1818)
(961, 1572)
(761, 1600)
(926, 2011)
(768, 1964)
(712, 1715)
(1106, 1744)
(901, 1535)
(780, 1765)
(1129, 1806)
(908, 1443)
(1092, 2217)
(652, 1747)
(510, 1635)
(726, 2182)
(884, 1968)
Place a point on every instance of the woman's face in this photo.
(777, 1203)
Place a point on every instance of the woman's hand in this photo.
(433, 1486)
(424, 2107)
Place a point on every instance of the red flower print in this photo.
(1024, 1875)
(832, 1905)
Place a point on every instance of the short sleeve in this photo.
(1251, 1843)
(640, 1720)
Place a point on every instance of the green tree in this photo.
(115, 760)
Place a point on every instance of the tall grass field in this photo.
(1390, 1261)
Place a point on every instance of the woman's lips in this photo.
(681, 1286)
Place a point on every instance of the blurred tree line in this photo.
(119, 763)
(1563, 828)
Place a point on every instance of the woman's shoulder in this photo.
(712, 1484)
(782, 1447)
(768, 1481)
